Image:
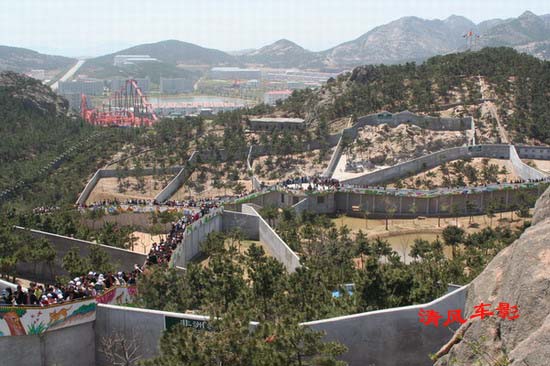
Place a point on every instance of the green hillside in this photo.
(36, 130)
(520, 85)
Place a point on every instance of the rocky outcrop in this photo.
(519, 275)
(33, 94)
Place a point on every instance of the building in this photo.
(124, 60)
(270, 124)
(83, 86)
(234, 73)
(175, 86)
(118, 84)
(271, 97)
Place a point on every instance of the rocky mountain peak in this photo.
(33, 94)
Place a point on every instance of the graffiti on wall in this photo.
(28, 320)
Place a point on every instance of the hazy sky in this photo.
(92, 27)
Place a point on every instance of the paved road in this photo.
(69, 74)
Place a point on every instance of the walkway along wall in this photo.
(392, 336)
(175, 184)
(278, 248)
(124, 259)
(427, 122)
(194, 235)
(523, 170)
(377, 204)
(113, 173)
(430, 161)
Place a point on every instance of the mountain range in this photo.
(405, 39)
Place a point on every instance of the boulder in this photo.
(519, 275)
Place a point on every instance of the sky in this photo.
(94, 27)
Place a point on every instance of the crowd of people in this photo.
(90, 285)
(44, 209)
(319, 184)
(162, 252)
(94, 284)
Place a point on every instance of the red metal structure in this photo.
(127, 107)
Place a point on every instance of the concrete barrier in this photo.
(392, 336)
(124, 259)
(175, 184)
(278, 248)
(194, 235)
(430, 161)
(426, 122)
(336, 155)
(523, 170)
(64, 347)
(113, 173)
(246, 222)
(142, 326)
(83, 197)
(533, 152)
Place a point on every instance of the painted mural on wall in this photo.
(27, 320)
(32, 320)
(118, 295)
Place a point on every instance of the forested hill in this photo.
(518, 83)
(35, 129)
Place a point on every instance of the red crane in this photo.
(127, 107)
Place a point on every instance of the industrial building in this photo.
(124, 60)
(83, 86)
(143, 83)
(271, 97)
(270, 124)
(175, 85)
(235, 73)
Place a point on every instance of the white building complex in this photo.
(81, 86)
(124, 60)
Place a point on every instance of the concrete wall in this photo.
(430, 161)
(178, 180)
(301, 206)
(64, 347)
(442, 205)
(278, 248)
(195, 234)
(385, 337)
(113, 173)
(393, 336)
(83, 197)
(143, 325)
(336, 155)
(246, 222)
(427, 122)
(124, 259)
(533, 152)
(523, 170)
